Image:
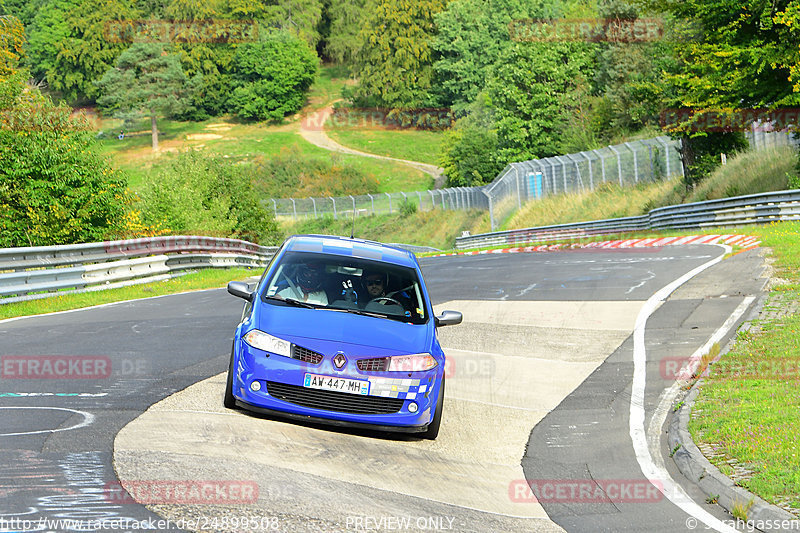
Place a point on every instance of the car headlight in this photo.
(268, 343)
(417, 362)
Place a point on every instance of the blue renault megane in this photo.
(340, 331)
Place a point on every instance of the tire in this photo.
(433, 428)
(228, 400)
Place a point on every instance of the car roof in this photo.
(345, 246)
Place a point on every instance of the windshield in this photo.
(347, 284)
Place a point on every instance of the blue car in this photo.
(340, 331)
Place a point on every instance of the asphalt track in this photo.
(540, 390)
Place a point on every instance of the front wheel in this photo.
(228, 400)
(433, 428)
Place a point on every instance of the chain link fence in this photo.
(381, 203)
(624, 164)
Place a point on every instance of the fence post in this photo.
(390, 202)
(294, 209)
(491, 211)
(665, 144)
(419, 194)
(519, 197)
(334, 207)
(635, 162)
(354, 204)
(619, 164)
(433, 202)
(315, 205)
(552, 174)
(274, 206)
(372, 201)
(591, 175)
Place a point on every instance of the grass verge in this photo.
(409, 144)
(204, 279)
(747, 408)
(437, 228)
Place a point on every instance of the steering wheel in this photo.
(387, 299)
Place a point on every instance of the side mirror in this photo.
(449, 318)
(240, 289)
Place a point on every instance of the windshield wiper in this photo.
(357, 312)
(291, 301)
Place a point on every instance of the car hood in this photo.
(388, 336)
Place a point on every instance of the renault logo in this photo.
(339, 360)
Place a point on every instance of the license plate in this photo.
(350, 386)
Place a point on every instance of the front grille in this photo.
(377, 364)
(334, 401)
(306, 355)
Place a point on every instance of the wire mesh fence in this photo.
(382, 203)
(624, 164)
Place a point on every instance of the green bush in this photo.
(55, 188)
(292, 174)
(407, 208)
(206, 195)
(271, 77)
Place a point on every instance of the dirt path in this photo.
(313, 131)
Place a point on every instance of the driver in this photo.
(374, 285)
(307, 286)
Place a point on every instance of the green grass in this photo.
(748, 407)
(328, 86)
(245, 143)
(607, 201)
(437, 228)
(409, 144)
(204, 279)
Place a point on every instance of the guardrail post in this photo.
(294, 209)
(315, 206)
(390, 202)
(334, 207)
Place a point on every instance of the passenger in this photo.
(307, 286)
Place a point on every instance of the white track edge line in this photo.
(659, 477)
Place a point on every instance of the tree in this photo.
(468, 149)
(206, 195)
(12, 42)
(346, 21)
(146, 81)
(48, 27)
(471, 35)
(394, 63)
(533, 86)
(733, 55)
(54, 186)
(88, 51)
(272, 76)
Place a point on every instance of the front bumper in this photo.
(420, 388)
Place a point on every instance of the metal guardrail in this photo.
(737, 211)
(26, 271)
